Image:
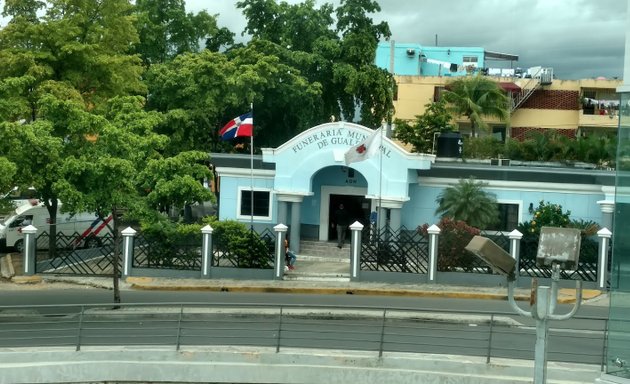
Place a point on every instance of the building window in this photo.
(499, 132)
(262, 204)
(470, 59)
(508, 217)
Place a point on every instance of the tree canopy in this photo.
(165, 30)
(421, 132)
(476, 97)
(467, 201)
(77, 71)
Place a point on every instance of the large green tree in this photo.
(201, 92)
(166, 30)
(124, 170)
(469, 202)
(62, 60)
(337, 56)
(477, 97)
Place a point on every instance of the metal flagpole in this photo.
(380, 171)
(251, 170)
(380, 211)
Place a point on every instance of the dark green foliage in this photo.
(243, 247)
(421, 132)
(172, 245)
(475, 97)
(455, 235)
(552, 215)
(485, 147)
(546, 146)
(166, 30)
(467, 201)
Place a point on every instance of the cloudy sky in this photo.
(578, 38)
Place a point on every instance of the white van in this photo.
(87, 225)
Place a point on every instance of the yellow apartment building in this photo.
(571, 107)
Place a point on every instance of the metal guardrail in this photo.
(382, 330)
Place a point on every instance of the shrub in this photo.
(552, 215)
(244, 247)
(485, 147)
(469, 202)
(168, 241)
(454, 237)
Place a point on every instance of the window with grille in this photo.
(261, 206)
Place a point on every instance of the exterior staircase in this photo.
(542, 76)
(321, 261)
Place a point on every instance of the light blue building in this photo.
(303, 181)
(417, 60)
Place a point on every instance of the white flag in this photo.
(365, 149)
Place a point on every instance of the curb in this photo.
(149, 285)
(565, 296)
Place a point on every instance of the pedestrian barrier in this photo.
(379, 330)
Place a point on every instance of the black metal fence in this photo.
(586, 269)
(75, 255)
(408, 251)
(394, 251)
(404, 250)
(252, 250)
(180, 253)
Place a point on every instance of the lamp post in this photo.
(558, 247)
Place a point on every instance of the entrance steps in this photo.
(321, 261)
(326, 249)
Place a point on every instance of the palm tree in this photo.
(475, 97)
(468, 202)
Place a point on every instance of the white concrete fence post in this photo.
(434, 233)
(206, 252)
(355, 251)
(515, 251)
(29, 250)
(128, 234)
(602, 266)
(281, 231)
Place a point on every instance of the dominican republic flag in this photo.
(365, 149)
(242, 126)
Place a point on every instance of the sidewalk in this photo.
(565, 296)
(305, 286)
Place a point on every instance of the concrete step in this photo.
(323, 259)
(323, 248)
(315, 278)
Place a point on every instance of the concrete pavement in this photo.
(325, 286)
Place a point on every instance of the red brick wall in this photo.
(521, 133)
(545, 99)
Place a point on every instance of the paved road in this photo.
(86, 295)
(304, 327)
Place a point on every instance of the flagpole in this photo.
(380, 184)
(251, 170)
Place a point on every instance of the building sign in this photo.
(333, 137)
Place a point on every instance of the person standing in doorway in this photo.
(342, 220)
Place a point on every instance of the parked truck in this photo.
(85, 227)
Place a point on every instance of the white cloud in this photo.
(582, 38)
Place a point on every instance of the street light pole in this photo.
(544, 301)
